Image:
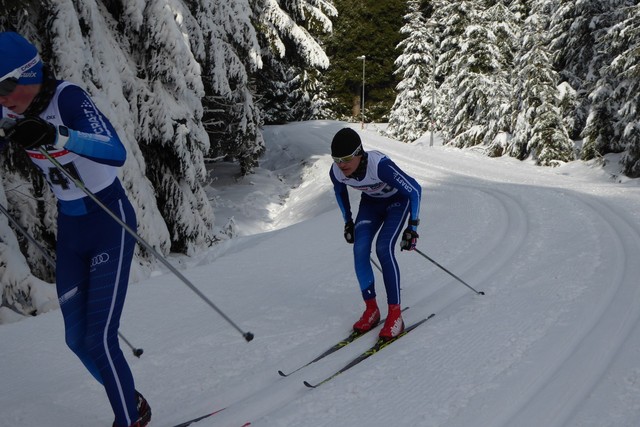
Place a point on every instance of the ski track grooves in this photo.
(444, 300)
(539, 409)
(552, 396)
(556, 396)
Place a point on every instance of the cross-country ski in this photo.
(354, 335)
(379, 345)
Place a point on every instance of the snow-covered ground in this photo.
(554, 342)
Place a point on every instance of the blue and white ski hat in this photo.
(18, 55)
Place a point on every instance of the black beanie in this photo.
(345, 142)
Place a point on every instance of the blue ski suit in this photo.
(93, 252)
(389, 196)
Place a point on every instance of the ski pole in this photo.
(136, 351)
(247, 335)
(376, 264)
(450, 273)
(28, 236)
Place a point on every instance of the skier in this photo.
(93, 251)
(389, 197)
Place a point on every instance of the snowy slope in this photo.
(554, 342)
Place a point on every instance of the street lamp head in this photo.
(362, 57)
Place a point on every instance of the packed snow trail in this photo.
(554, 342)
(544, 241)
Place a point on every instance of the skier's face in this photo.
(350, 167)
(20, 97)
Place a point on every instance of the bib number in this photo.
(57, 177)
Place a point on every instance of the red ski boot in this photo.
(394, 325)
(144, 412)
(370, 317)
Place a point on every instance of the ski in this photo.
(194, 420)
(202, 417)
(342, 343)
(379, 345)
(351, 338)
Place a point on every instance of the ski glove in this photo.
(348, 232)
(409, 239)
(32, 132)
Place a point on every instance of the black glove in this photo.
(349, 235)
(32, 132)
(409, 239)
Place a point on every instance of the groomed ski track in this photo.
(481, 352)
(555, 341)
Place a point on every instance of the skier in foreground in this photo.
(93, 251)
(389, 196)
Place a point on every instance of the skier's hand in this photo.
(32, 132)
(409, 239)
(348, 232)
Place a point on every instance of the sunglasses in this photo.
(9, 81)
(348, 158)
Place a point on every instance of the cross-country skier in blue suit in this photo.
(389, 197)
(94, 253)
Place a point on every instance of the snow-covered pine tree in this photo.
(520, 9)
(411, 115)
(452, 17)
(169, 113)
(30, 203)
(21, 293)
(230, 54)
(25, 291)
(606, 127)
(568, 102)
(550, 143)
(288, 32)
(506, 28)
(477, 86)
(626, 66)
(572, 42)
(539, 130)
(274, 83)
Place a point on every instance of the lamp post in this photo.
(363, 58)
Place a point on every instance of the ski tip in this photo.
(431, 315)
(282, 374)
(309, 384)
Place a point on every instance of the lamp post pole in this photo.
(363, 58)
